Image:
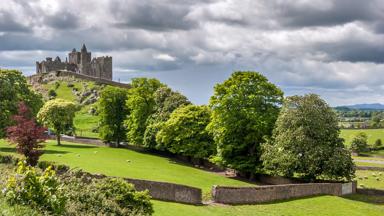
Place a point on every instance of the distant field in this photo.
(373, 135)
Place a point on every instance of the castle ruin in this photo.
(79, 62)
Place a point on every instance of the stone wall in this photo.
(169, 191)
(370, 168)
(370, 191)
(261, 194)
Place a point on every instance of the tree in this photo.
(14, 89)
(58, 114)
(140, 105)
(27, 135)
(245, 108)
(166, 101)
(306, 142)
(113, 111)
(185, 132)
(360, 143)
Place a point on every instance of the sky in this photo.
(334, 48)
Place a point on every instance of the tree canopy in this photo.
(185, 132)
(140, 105)
(27, 135)
(166, 101)
(58, 114)
(245, 108)
(359, 143)
(14, 89)
(113, 111)
(306, 142)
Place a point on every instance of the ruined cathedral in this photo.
(79, 62)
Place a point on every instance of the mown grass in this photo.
(128, 163)
(370, 179)
(322, 205)
(368, 164)
(373, 135)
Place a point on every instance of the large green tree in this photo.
(58, 114)
(14, 89)
(140, 104)
(185, 132)
(359, 143)
(113, 111)
(245, 108)
(166, 101)
(306, 142)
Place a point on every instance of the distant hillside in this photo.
(373, 106)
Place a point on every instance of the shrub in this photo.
(52, 93)
(104, 197)
(377, 144)
(57, 85)
(359, 143)
(40, 191)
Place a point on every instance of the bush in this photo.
(359, 143)
(40, 191)
(52, 93)
(378, 144)
(89, 196)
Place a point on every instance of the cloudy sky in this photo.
(334, 48)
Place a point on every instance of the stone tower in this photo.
(85, 61)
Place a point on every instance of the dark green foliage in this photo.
(140, 105)
(185, 132)
(245, 108)
(105, 197)
(378, 144)
(166, 101)
(113, 111)
(360, 143)
(306, 142)
(14, 89)
(52, 93)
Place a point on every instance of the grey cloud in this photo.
(151, 16)
(62, 20)
(8, 23)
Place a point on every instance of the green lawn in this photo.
(321, 205)
(128, 163)
(114, 162)
(369, 164)
(373, 135)
(370, 179)
(85, 123)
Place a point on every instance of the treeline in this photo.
(247, 126)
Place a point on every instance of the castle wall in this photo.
(102, 67)
(49, 65)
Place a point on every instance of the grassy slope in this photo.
(84, 122)
(373, 135)
(127, 163)
(114, 162)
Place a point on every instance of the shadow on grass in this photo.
(80, 146)
(13, 150)
(372, 199)
(7, 149)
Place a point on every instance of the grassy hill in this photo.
(83, 92)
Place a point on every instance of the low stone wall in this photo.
(169, 191)
(162, 190)
(370, 168)
(262, 194)
(79, 140)
(367, 191)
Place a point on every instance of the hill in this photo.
(78, 89)
(372, 106)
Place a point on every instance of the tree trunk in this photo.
(58, 139)
(118, 143)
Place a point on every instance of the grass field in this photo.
(114, 162)
(128, 163)
(370, 179)
(373, 135)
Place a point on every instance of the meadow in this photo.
(373, 135)
(128, 163)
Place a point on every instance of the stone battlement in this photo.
(79, 62)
